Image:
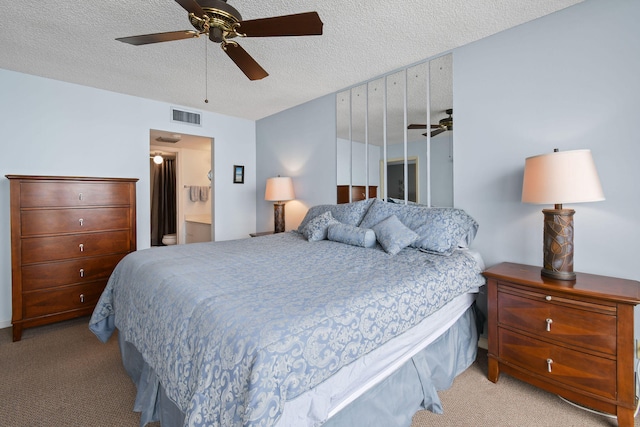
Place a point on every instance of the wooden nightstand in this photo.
(572, 338)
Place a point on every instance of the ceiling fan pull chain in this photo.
(206, 72)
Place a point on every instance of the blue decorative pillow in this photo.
(316, 229)
(347, 213)
(393, 235)
(352, 235)
(441, 230)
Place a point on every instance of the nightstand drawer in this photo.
(590, 373)
(572, 323)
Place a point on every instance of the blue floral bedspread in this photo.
(234, 329)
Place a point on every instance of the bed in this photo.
(367, 302)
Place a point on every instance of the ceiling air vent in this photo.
(182, 116)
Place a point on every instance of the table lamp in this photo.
(279, 189)
(557, 178)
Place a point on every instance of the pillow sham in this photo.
(347, 213)
(393, 235)
(352, 235)
(441, 230)
(316, 229)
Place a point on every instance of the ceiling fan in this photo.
(442, 126)
(221, 23)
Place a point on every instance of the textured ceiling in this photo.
(74, 41)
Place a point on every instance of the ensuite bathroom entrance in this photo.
(181, 188)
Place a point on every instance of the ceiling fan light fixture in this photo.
(171, 139)
(447, 122)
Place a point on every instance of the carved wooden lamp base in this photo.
(558, 244)
(278, 217)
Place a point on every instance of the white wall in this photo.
(55, 128)
(568, 81)
(300, 143)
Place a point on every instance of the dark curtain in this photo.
(163, 200)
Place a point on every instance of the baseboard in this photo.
(483, 343)
(5, 324)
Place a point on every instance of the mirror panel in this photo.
(343, 145)
(375, 126)
(441, 158)
(396, 159)
(359, 161)
(418, 122)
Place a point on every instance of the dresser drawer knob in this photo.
(549, 322)
(81, 246)
(80, 196)
(82, 300)
(82, 272)
(81, 221)
(548, 297)
(549, 363)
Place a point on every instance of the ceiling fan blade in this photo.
(192, 7)
(437, 131)
(419, 126)
(300, 24)
(159, 37)
(244, 61)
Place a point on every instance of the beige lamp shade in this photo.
(279, 189)
(561, 177)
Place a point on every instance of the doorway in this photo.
(192, 182)
(395, 178)
(164, 214)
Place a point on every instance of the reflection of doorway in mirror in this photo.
(395, 178)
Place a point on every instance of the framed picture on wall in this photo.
(238, 174)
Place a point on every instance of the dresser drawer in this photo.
(590, 373)
(53, 194)
(52, 274)
(42, 249)
(578, 324)
(63, 299)
(54, 221)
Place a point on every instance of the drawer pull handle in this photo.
(549, 363)
(548, 297)
(81, 246)
(82, 272)
(81, 222)
(80, 196)
(549, 322)
(82, 300)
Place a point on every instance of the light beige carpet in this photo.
(61, 375)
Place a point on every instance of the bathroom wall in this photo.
(193, 167)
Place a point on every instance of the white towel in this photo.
(194, 193)
(204, 193)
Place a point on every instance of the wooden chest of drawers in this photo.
(572, 338)
(67, 235)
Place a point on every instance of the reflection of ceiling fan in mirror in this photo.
(222, 22)
(442, 126)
